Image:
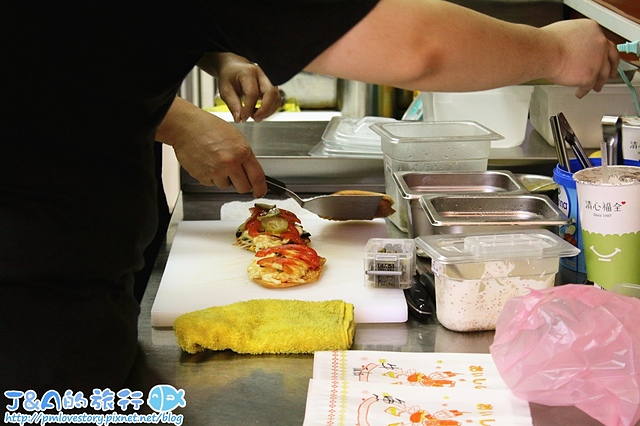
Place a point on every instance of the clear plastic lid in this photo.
(495, 246)
(354, 132)
(434, 131)
(321, 149)
(442, 141)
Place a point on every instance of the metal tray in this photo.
(458, 214)
(413, 185)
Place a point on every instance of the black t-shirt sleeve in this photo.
(283, 36)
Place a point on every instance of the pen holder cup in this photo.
(568, 203)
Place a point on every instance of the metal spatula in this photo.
(332, 207)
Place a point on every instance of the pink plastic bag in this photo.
(573, 345)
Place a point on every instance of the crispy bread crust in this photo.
(384, 208)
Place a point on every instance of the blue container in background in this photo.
(568, 203)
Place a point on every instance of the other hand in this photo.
(211, 150)
(589, 59)
(242, 83)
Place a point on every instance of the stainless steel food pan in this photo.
(413, 185)
(470, 213)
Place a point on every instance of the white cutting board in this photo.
(205, 269)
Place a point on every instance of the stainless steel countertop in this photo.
(225, 388)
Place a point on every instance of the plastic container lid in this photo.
(627, 289)
(321, 149)
(495, 246)
(354, 132)
(434, 131)
(441, 141)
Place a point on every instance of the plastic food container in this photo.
(431, 146)
(631, 138)
(475, 274)
(627, 289)
(413, 185)
(460, 214)
(389, 262)
(505, 110)
(585, 115)
(354, 132)
(351, 137)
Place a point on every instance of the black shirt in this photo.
(86, 89)
(85, 86)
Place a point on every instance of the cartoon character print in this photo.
(440, 379)
(365, 371)
(392, 407)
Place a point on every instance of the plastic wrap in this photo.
(573, 345)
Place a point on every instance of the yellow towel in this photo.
(268, 326)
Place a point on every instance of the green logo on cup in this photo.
(612, 259)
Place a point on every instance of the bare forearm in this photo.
(182, 120)
(436, 45)
(210, 149)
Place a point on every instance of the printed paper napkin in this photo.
(368, 388)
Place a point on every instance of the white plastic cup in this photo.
(610, 221)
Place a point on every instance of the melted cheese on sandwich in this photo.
(263, 241)
(259, 242)
(294, 272)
